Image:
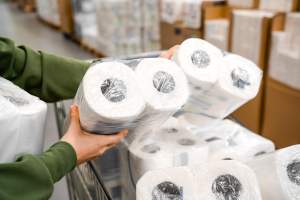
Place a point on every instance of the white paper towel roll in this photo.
(108, 98)
(200, 61)
(237, 80)
(278, 173)
(164, 87)
(28, 114)
(173, 183)
(226, 180)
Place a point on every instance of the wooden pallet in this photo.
(84, 45)
(49, 24)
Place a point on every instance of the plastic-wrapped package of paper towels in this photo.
(113, 97)
(229, 140)
(226, 180)
(171, 183)
(216, 32)
(219, 85)
(222, 180)
(166, 147)
(22, 121)
(279, 174)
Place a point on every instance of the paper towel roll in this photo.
(278, 173)
(164, 87)
(169, 146)
(224, 180)
(28, 114)
(173, 183)
(241, 144)
(238, 82)
(108, 98)
(200, 61)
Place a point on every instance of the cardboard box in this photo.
(176, 33)
(172, 34)
(281, 120)
(66, 16)
(251, 113)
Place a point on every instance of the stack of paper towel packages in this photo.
(22, 121)
(285, 53)
(197, 154)
(48, 11)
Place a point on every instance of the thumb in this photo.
(74, 117)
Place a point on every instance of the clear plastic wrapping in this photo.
(217, 33)
(220, 180)
(22, 121)
(278, 173)
(278, 5)
(218, 84)
(113, 97)
(246, 34)
(242, 3)
(48, 11)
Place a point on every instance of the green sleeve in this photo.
(47, 76)
(32, 177)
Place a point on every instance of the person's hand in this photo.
(86, 145)
(169, 53)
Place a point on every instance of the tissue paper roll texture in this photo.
(173, 183)
(224, 180)
(241, 144)
(9, 131)
(164, 87)
(29, 120)
(216, 32)
(108, 98)
(278, 173)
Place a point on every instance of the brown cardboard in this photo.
(172, 34)
(66, 16)
(251, 113)
(255, 4)
(281, 121)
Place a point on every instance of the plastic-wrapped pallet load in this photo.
(224, 180)
(229, 140)
(48, 11)
(285, 53)
(219, 85)
(217, 32)
(278, 5)
(28, 114)
(137, 100)
(171, 11)
(278, 174)
(243, 3)
(171, 183)
(247, 33)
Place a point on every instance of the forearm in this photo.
(47, 76)
(32, 177)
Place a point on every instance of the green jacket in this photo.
(51, 78)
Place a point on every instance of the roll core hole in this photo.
(212, 139)
(293, 172)
(167, 190)
(150, 148)
(240, 78)
(114, 90)
(227, 187)
(200, 58)
(163, 82)
(186, 142)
